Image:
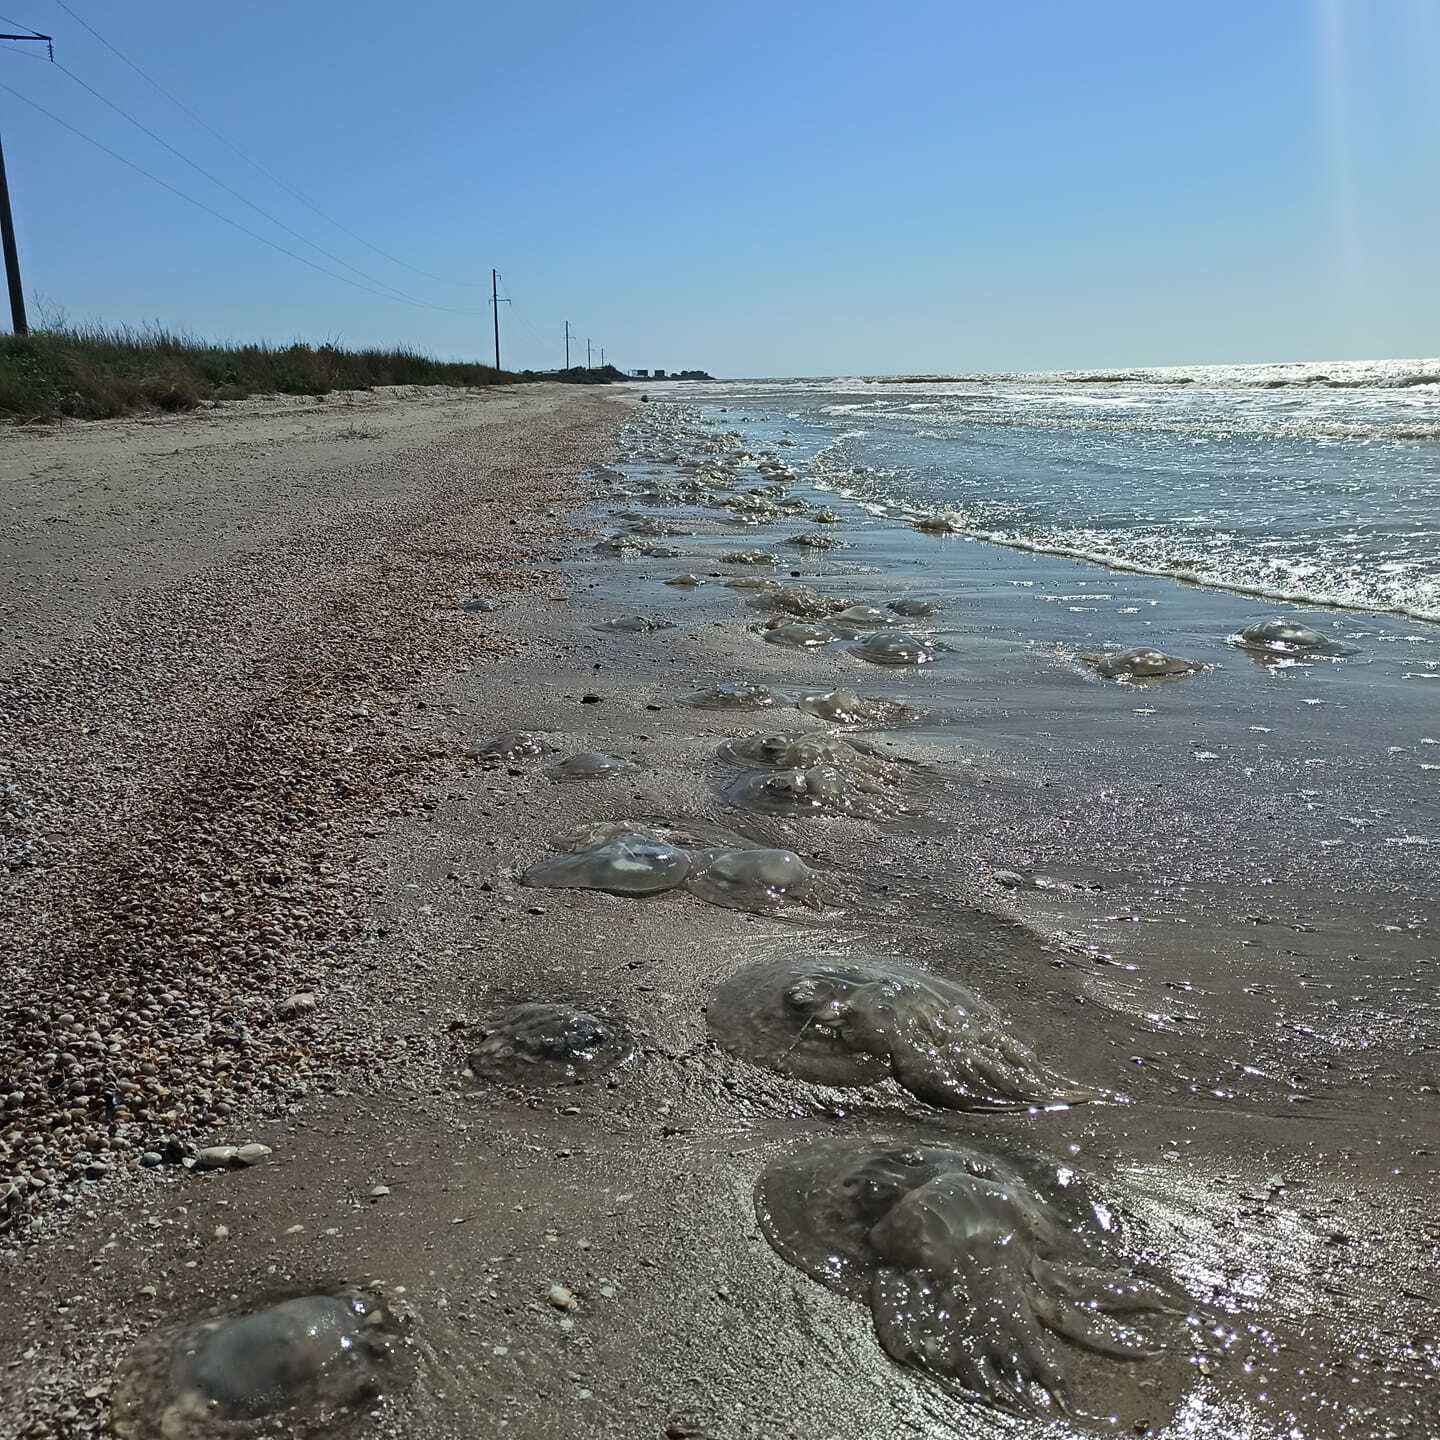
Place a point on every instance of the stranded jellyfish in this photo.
(752, 582)
(845, 707)
(890, 648)
(735, 695)
(627, 865)
(825, 516)
(589, 765)
(857, 1022)
(685, 582)
(305, 1358)
(947, 524)
(1140, 665)
(818, 540)
(1284, 639)
(992, 1275)
(862, 617)
(807, 749)
(510, 747)
(635, 624)
(818, 790)
(654, 528)
(748, 879)
(799, 600)
(550, 1045)
(799, 635)
(914, 607)
(750, 557)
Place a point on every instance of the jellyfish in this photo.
(305, 1358)
(890, 647)
(627, 865)
(856, 1022)
(995, 1275)
(845, 707)
(1283, 639)
(748, 879)
(798, 635)
(539, 1044)
(635, 624)
(914, 607)
(589, 765)
(735, 695)
(510, 747)
(1140, 664)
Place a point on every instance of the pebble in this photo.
(379, 1192)
(216, 1157)
(253, 1154)
(300, 1003)
(562, 1298)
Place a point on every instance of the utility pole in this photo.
(567, 344)
(587, 353)
(496, 302)
(7, 222)
(602, 357)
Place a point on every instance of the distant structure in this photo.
(666, 375)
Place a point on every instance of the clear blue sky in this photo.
(760, 188)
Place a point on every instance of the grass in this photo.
(93, 372)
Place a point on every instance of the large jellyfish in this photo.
(540, 1044)
(799, 600)
(818, 540)
(635, 624)
(735, 695)
(994, 1275)
(1279, 638)
(748, 879)
(589, 765)
(750, 557)
(914, 607)
(627, 865)
(510, 747)
(845, 707)
(856, 1022)
(306, 1358)
(1141, 664)
(817, 790)
(799, 635)
(806, 750)
(888, 647)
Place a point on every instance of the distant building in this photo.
(658, 375)
(641, 374)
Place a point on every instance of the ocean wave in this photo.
(1335, 597)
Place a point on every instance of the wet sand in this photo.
(1132, 877)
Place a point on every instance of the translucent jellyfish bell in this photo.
(1141, 664)
(305, 1358)
(735, 695)
(510, 747)
(750, 557)
(845, 707)
(983, 1271)
(856, 1022)
(1282, 638)
(541, 1044)
(749, 879)
(818, 790)
(890, 647)
(627, 865)
(797, 635)
(914, 607)
(635, 624)
(589, 765)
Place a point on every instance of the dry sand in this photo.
(298, 621)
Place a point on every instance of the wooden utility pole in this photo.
(7, 223)
(496, 302)
(567, 344)
(587, 354)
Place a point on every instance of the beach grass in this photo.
(95, 372)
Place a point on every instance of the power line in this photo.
(209, 210)
(250, 160)
(235, 194)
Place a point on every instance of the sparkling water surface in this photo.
(1314, 484)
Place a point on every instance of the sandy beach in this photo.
(265, 888)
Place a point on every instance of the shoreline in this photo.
(639, 1186)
